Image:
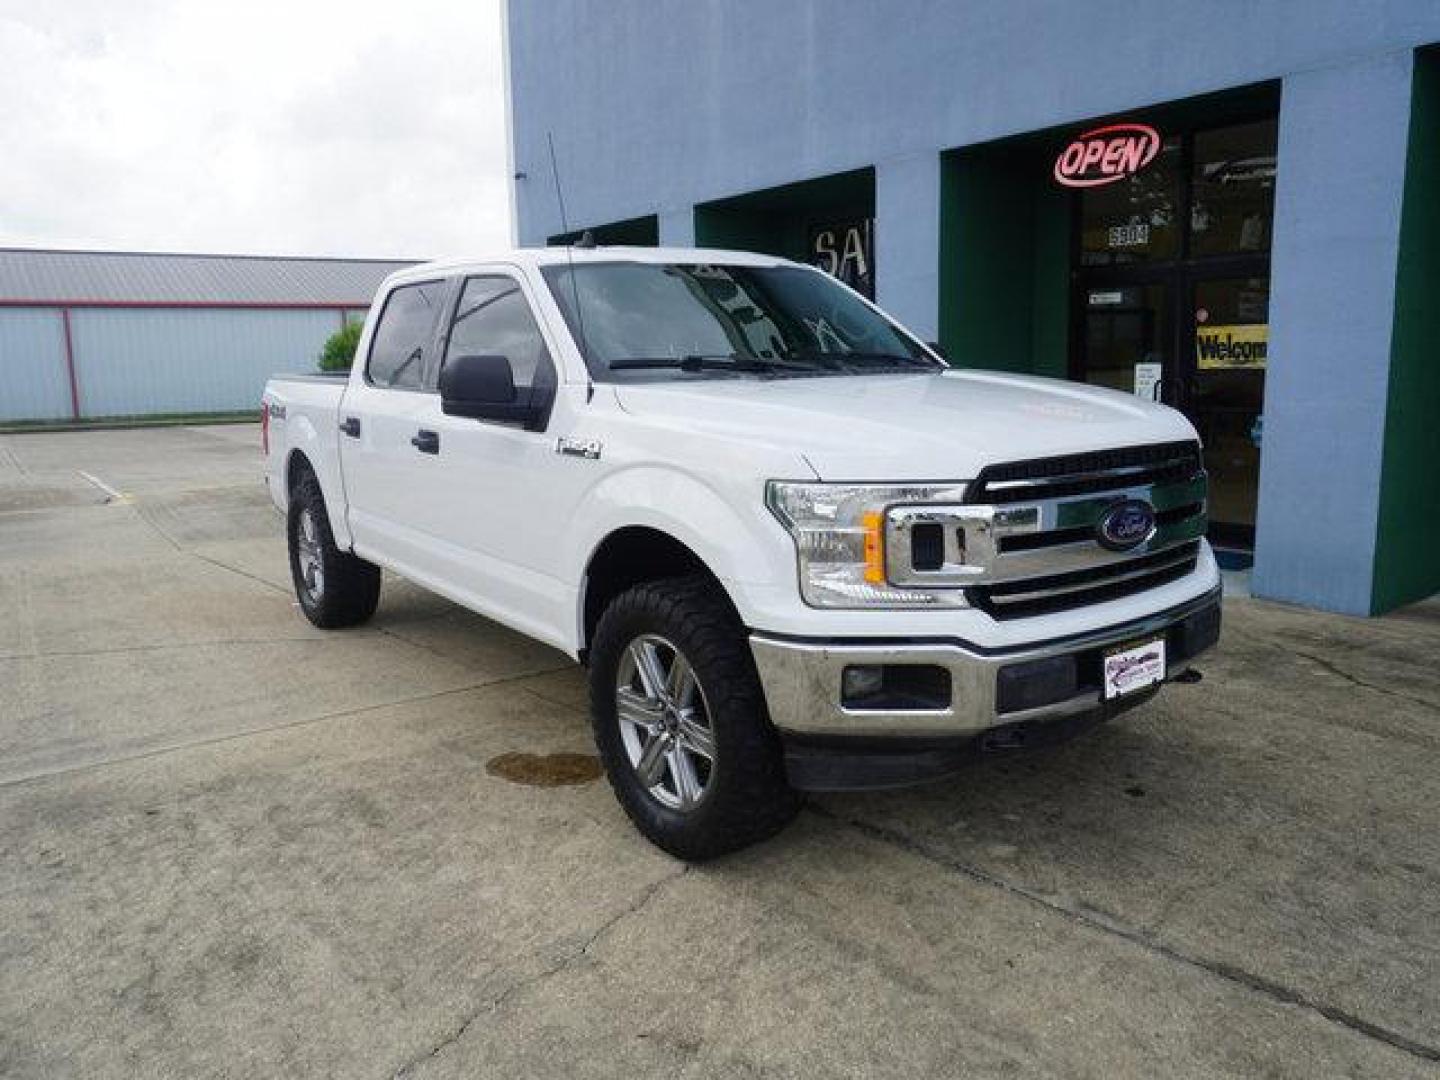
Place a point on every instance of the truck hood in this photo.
(907, 427)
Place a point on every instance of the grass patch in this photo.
(92, 423)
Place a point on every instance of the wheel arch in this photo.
(299, 465)
(699, 523)
(626, 557)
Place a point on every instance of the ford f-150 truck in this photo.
(795, 548)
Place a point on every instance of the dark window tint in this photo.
(1234, 190)
(1124, 326)
(846, 250)
(494, 319)
(397, 353)
(1136, 219)
(1227, 394)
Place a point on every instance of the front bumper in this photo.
(997, 698)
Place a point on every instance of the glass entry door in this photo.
(1199, 343)
(1126, 339)
(1171, 298)
(1225, 395)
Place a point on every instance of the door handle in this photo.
(427, 442)
(351, 426)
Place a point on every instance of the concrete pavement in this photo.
(233, 845)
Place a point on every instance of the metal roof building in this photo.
(88, 334)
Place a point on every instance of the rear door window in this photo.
(403, 335)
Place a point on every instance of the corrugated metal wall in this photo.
(34, 383)
(158, 360)
(147, 361)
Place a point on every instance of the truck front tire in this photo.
(335, 588)
(680, 721)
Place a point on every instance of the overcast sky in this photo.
(316, 127)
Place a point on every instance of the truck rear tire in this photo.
(335, 588)
(680, 721)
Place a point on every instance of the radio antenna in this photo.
(570, 263)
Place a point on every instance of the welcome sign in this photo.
(1224, 347)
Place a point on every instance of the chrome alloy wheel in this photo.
(312, 566)
(664, 722)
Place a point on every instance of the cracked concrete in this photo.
(1335, 669)
(564, 963)
(233, 845)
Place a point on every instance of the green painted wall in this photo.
(1004, 261)
(1050, 343)
(771, 233)
(633, 232)
(1407, 552)
(776, 221)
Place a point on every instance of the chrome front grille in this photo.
(1058, 565)
(1079, 474)
(1024, 540)
(1061, 592)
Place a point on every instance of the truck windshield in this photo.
(668, 319)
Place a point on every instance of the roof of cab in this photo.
(550, 256)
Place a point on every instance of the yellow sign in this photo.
(1222, 347)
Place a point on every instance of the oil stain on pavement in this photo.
(545, 770)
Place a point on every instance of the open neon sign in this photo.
(1107, 154)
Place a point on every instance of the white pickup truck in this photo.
(794, 547)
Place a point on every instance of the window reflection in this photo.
(1136, 219)
(1123, 327)
(1232, 196)
(1234, 192)
(1232, 333)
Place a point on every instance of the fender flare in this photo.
(737, 548)
(305, 450)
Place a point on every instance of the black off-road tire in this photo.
(350, 588)
(747, 797)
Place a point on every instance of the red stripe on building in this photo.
(252, 305)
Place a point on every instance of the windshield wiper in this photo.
(693, 362)
(868, 360)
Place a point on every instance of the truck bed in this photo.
(327, 377)
(303, 415)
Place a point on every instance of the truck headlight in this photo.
(839, 532)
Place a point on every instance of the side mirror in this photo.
(483, 388)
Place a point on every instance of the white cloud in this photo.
(299, 127)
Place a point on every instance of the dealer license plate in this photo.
(1134, 668)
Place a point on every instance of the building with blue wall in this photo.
(1232, 206)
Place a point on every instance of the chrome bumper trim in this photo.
(802, 678)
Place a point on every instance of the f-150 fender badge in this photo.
(581, 448)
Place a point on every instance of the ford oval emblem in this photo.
(1125, 525)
